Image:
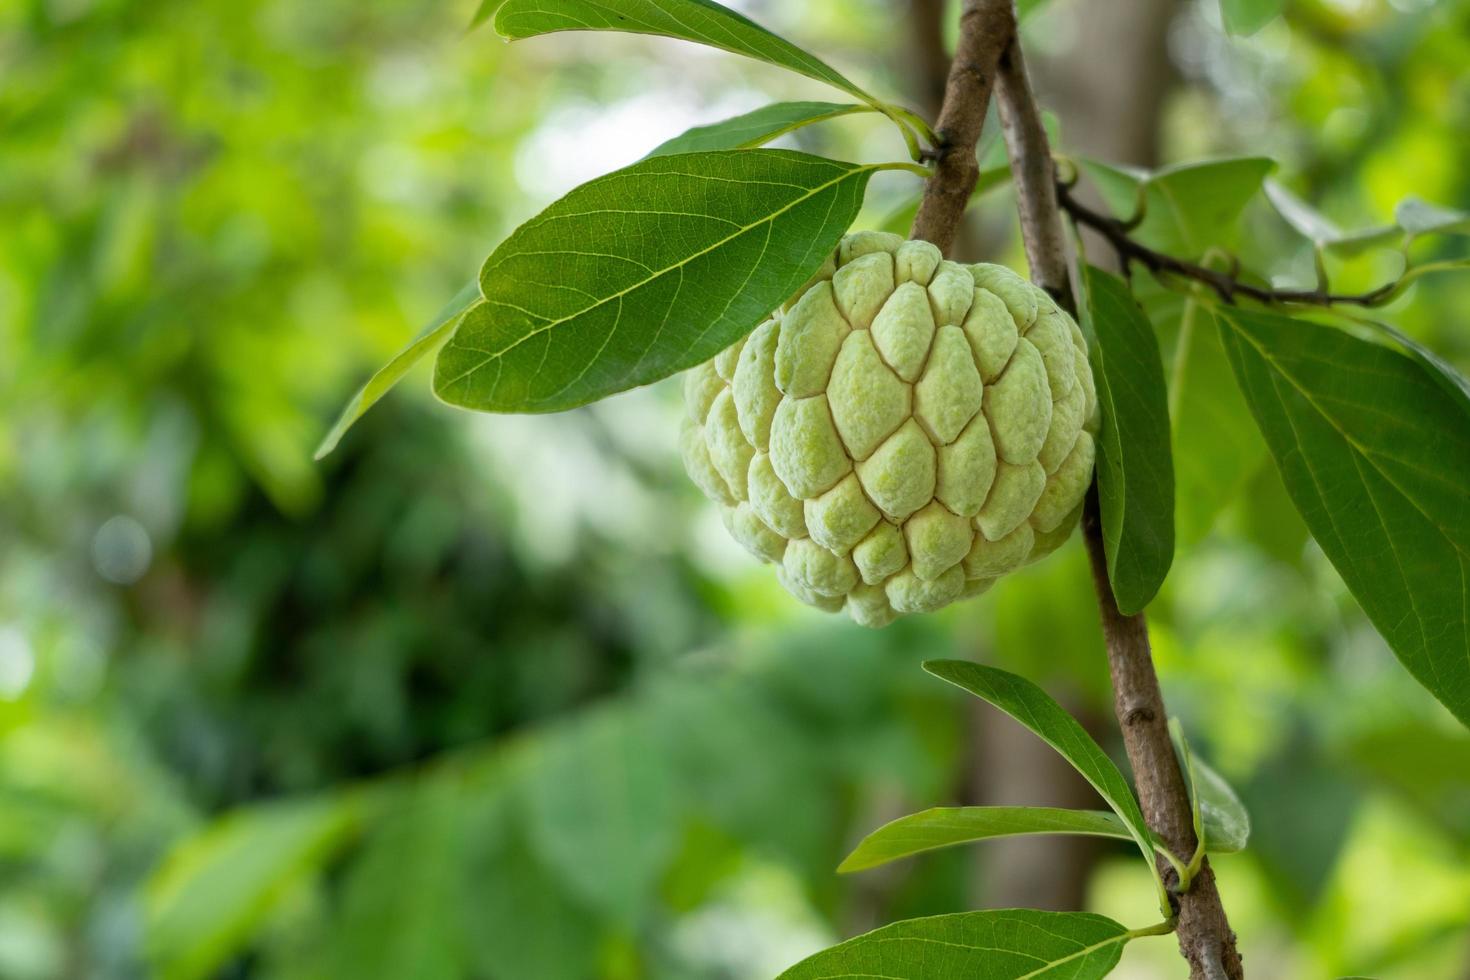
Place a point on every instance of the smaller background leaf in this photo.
(1422, 218)
(1188, 208)
(213, 891)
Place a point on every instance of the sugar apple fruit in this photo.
(900, 433)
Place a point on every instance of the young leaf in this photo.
(1222, 823)
(1135, 470)
(1188, 207)
(932, 829)
(1227, 822)
(644, 272)
(1035, 709)
(700, 21)
(754, 128)
(1422, 218)
(429, 339)
(1376, 456)
(997, 944)
(213, 890)
(1310, 222)
(1321, 231)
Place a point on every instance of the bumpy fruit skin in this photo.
(901, 433)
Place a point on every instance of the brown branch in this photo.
(986, 26)
(1228, 286)
(1205, 937)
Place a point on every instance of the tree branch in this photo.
(1205, 937)
(1228, 286)
(986, 26)
(988, 55)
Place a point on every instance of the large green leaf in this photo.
(754, 128)
(211, 893)
(1376, 456)
(998, 944)
(1443, 373)
(1135, 471)
(700, 21)
(644, 272)
(940, 827)
(1187, 207)
(401, 898)
(429, 339)
(1036, 709)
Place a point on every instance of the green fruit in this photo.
(901, 433)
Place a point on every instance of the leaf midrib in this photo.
(656, 275)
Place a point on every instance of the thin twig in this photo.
(1204, 931)
(1227, 285)
(985, 28)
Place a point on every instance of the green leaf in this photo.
(407, 876)
(1321, 231)
(212, 892)
(1419, 217)
(1188, 208)
(1307, 220)
(1412, 218)
(1035, 709)
(1245, 17)
(939, 827)
(518, 919)
(602, 811)
(700, 21)
(997, 944)
(1216, 446)
(1376, 456)
(645, 272)
(1227, 822)
(1135, 470)
(429, 339)
(754, 128)
(1443, 373)
(1221, 820)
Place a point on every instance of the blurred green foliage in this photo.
(495, 697)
